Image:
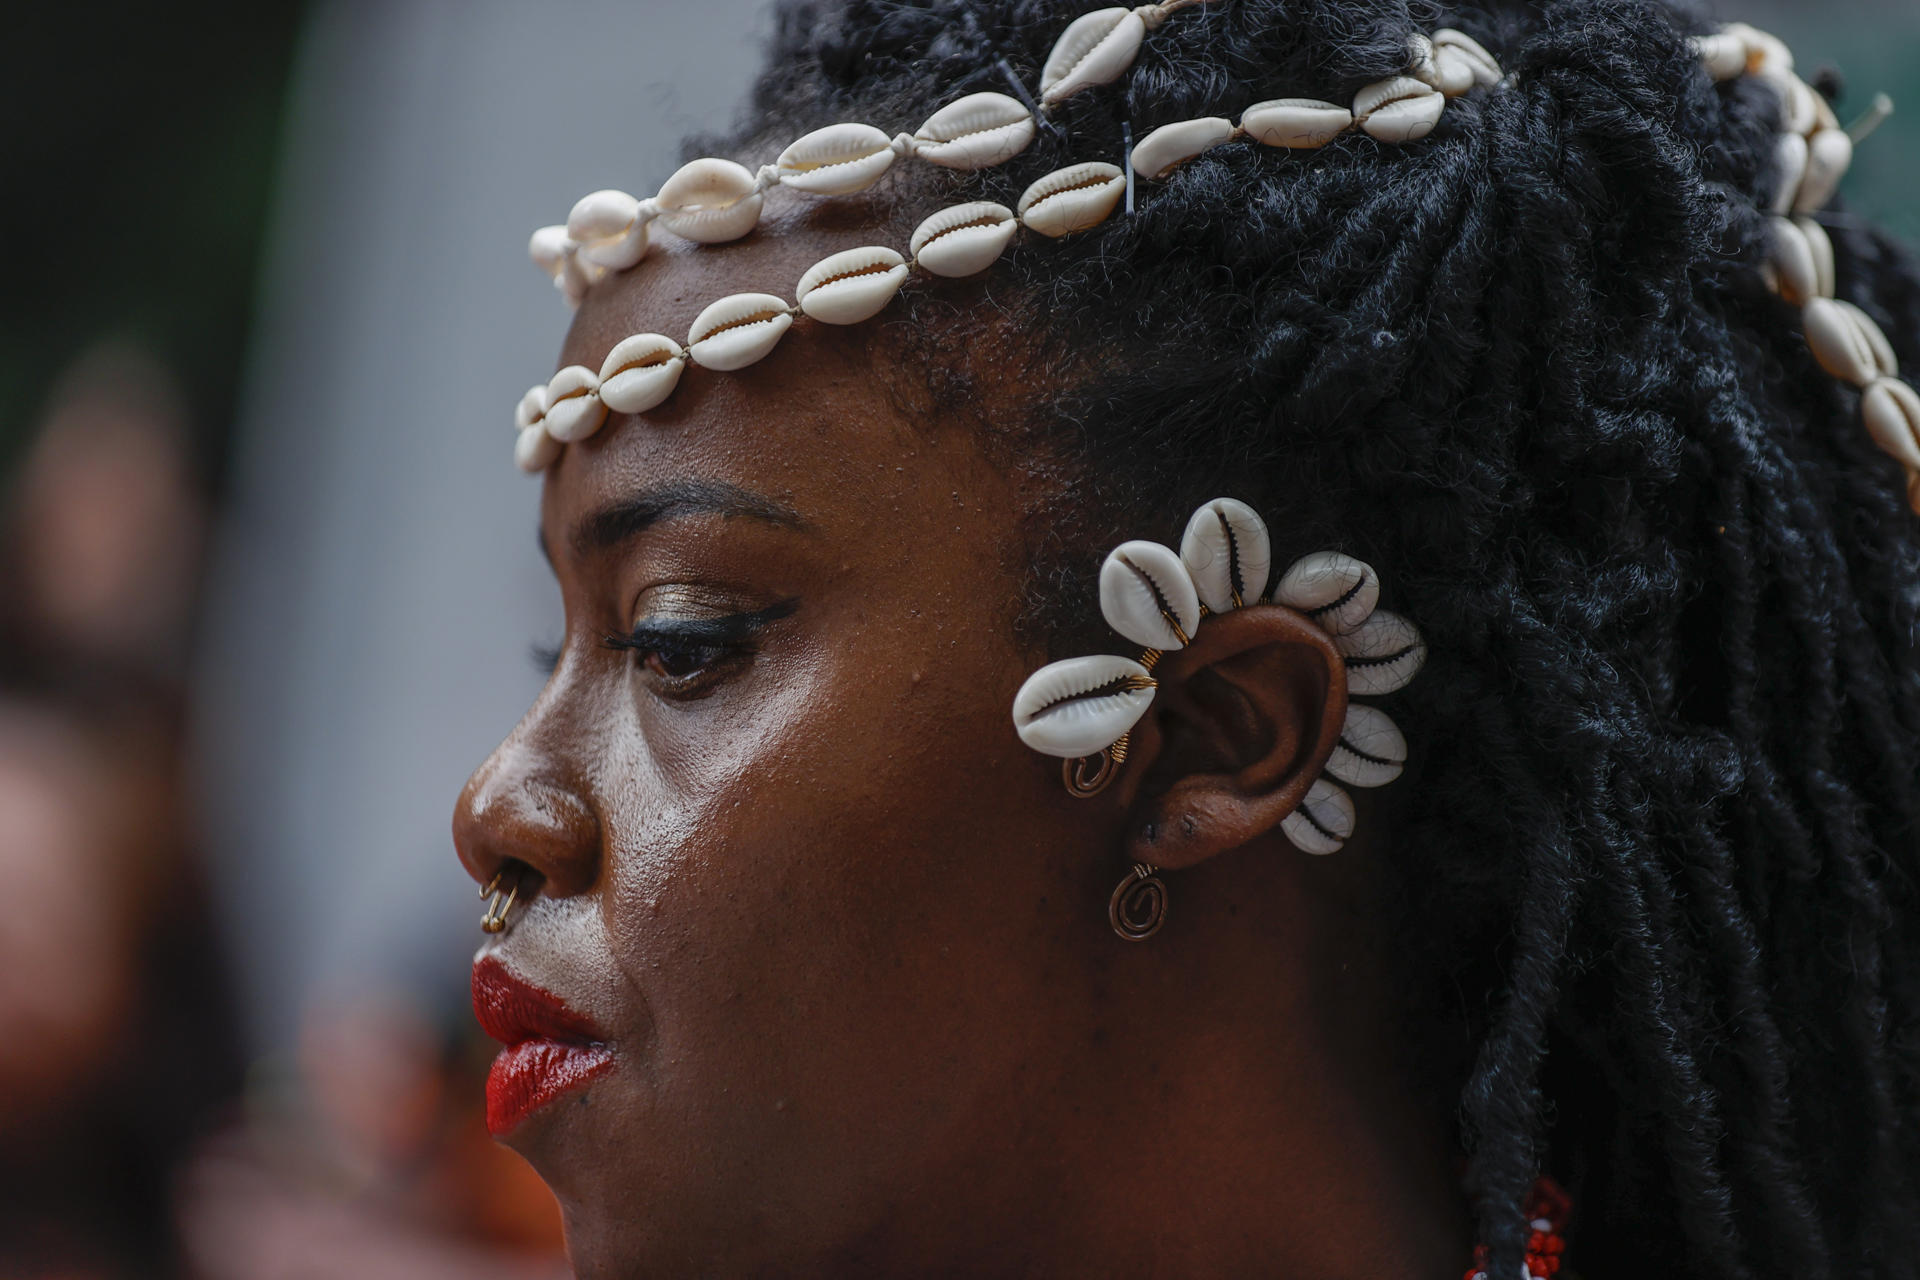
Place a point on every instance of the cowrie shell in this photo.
(1227, 553)
(1371, 751)
(1398, 109)
(1420, 59)
(1382, 655)
(738, 330)
(1822, 249)
(609, 229)
(574, 409)
(1142, 585)
(1449, 45)
(1797, 114)
(1823, 117)
(1452, 72)
(1767, 55)
(531, 409)
(1081, 706)
(1741, 32)
(1072, 199)
(1829, 152)
(548, 249)
(837, 160)
(1296, 122)
(1891, 409)
(1838, 341)
(1790, 167)
(1155, 155)
(963, 239)
(1323, 822)
(640, 372)
(1723, 54)
(851, 286)
(975, 132)
(534, 450)
(1885, 363)
(1336, 591)
(1093, 50)
(710, 201)
(576, 276)
(1795, 277)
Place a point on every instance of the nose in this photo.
(526, 804)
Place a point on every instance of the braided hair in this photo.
(1667, 829)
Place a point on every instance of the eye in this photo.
(689, 657)
(678, 665)
(681, 663)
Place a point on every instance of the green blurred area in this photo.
(139, 144)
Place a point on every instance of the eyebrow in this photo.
(628, 516)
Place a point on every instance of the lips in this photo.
(550, 1049)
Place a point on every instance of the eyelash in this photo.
(710, 642)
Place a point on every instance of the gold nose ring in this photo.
(498, 905)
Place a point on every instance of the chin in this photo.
(610, 1193)
(613, 1234)
(571, 1143)
(601, 1250)
(629, 1213)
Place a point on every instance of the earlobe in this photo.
(1244, 723)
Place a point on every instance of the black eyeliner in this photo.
(681, 634)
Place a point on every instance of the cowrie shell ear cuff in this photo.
(1083, 710)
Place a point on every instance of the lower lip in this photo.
(529, 1075)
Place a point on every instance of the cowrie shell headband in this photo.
(713, 200)
(1083, 710)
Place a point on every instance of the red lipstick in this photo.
(550, 1049)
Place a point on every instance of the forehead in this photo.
(815, 425)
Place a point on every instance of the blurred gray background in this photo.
(377, 585)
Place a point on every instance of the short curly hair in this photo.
(1666, 832)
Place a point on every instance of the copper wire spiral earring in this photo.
(1138, 906)
(1088, 776)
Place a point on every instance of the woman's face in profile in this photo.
(801, 880)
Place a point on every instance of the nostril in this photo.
(525, 815)
(513, 882)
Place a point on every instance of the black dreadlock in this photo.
(1664, 842)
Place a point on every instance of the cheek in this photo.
(841, 893)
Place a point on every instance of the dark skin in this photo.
(847, 934)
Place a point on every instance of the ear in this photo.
(1243, 722)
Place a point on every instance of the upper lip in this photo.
(513, 1010)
